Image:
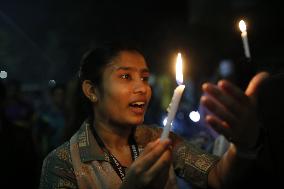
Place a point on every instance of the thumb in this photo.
(255, 82)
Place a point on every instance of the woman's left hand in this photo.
(234, 112)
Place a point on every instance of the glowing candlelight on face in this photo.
(175, 99)
(243, 28)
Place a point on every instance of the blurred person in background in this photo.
(18, 153)
(51, 120)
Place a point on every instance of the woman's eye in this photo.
(125, 76)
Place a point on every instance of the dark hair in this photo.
(95, 59)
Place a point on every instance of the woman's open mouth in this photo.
(138, 107)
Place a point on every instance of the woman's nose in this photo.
(141, 87)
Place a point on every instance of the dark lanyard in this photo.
(114, 162)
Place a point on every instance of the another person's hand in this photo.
(233, 111)
(151, 169)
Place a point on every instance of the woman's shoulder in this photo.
(57, 169)
(60, 156)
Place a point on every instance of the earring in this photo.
(93, 98)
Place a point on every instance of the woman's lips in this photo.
(138, 107)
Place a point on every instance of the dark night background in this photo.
(44, 40)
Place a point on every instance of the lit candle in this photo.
(175, 99)
(243, 28)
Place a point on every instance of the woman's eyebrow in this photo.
(131, 68)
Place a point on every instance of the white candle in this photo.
(175, 99)
(243, 28)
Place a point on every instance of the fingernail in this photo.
(203, 100)
(221, 83)
(168, 142)
(155, 142)
(204, 86)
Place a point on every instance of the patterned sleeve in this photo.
(190, 162)
(57, 170)
(193, 164)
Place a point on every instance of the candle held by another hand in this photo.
(243, 28)
(173, 106)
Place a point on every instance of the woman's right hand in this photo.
(151, 169)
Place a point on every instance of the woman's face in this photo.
(126, 92)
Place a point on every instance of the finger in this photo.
(220, 126)
(222, 97)
(217, 109)
(150, 146)
(148, 159)
(233, 90)
(255, 82)
(160, 178)
(162, 164)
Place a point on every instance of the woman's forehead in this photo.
(127, 60)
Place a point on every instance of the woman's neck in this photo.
(113, 136)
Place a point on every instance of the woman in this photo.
(113, 149)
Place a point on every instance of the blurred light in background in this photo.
(51, 83)
(194, 116)
(3, 74)
(152, 79)
(226, 68)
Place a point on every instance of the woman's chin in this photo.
(137, 121)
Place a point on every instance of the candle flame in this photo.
(179, 74)
(242, 26)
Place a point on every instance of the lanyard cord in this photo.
(114, 162)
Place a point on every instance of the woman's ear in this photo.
(89, 91)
